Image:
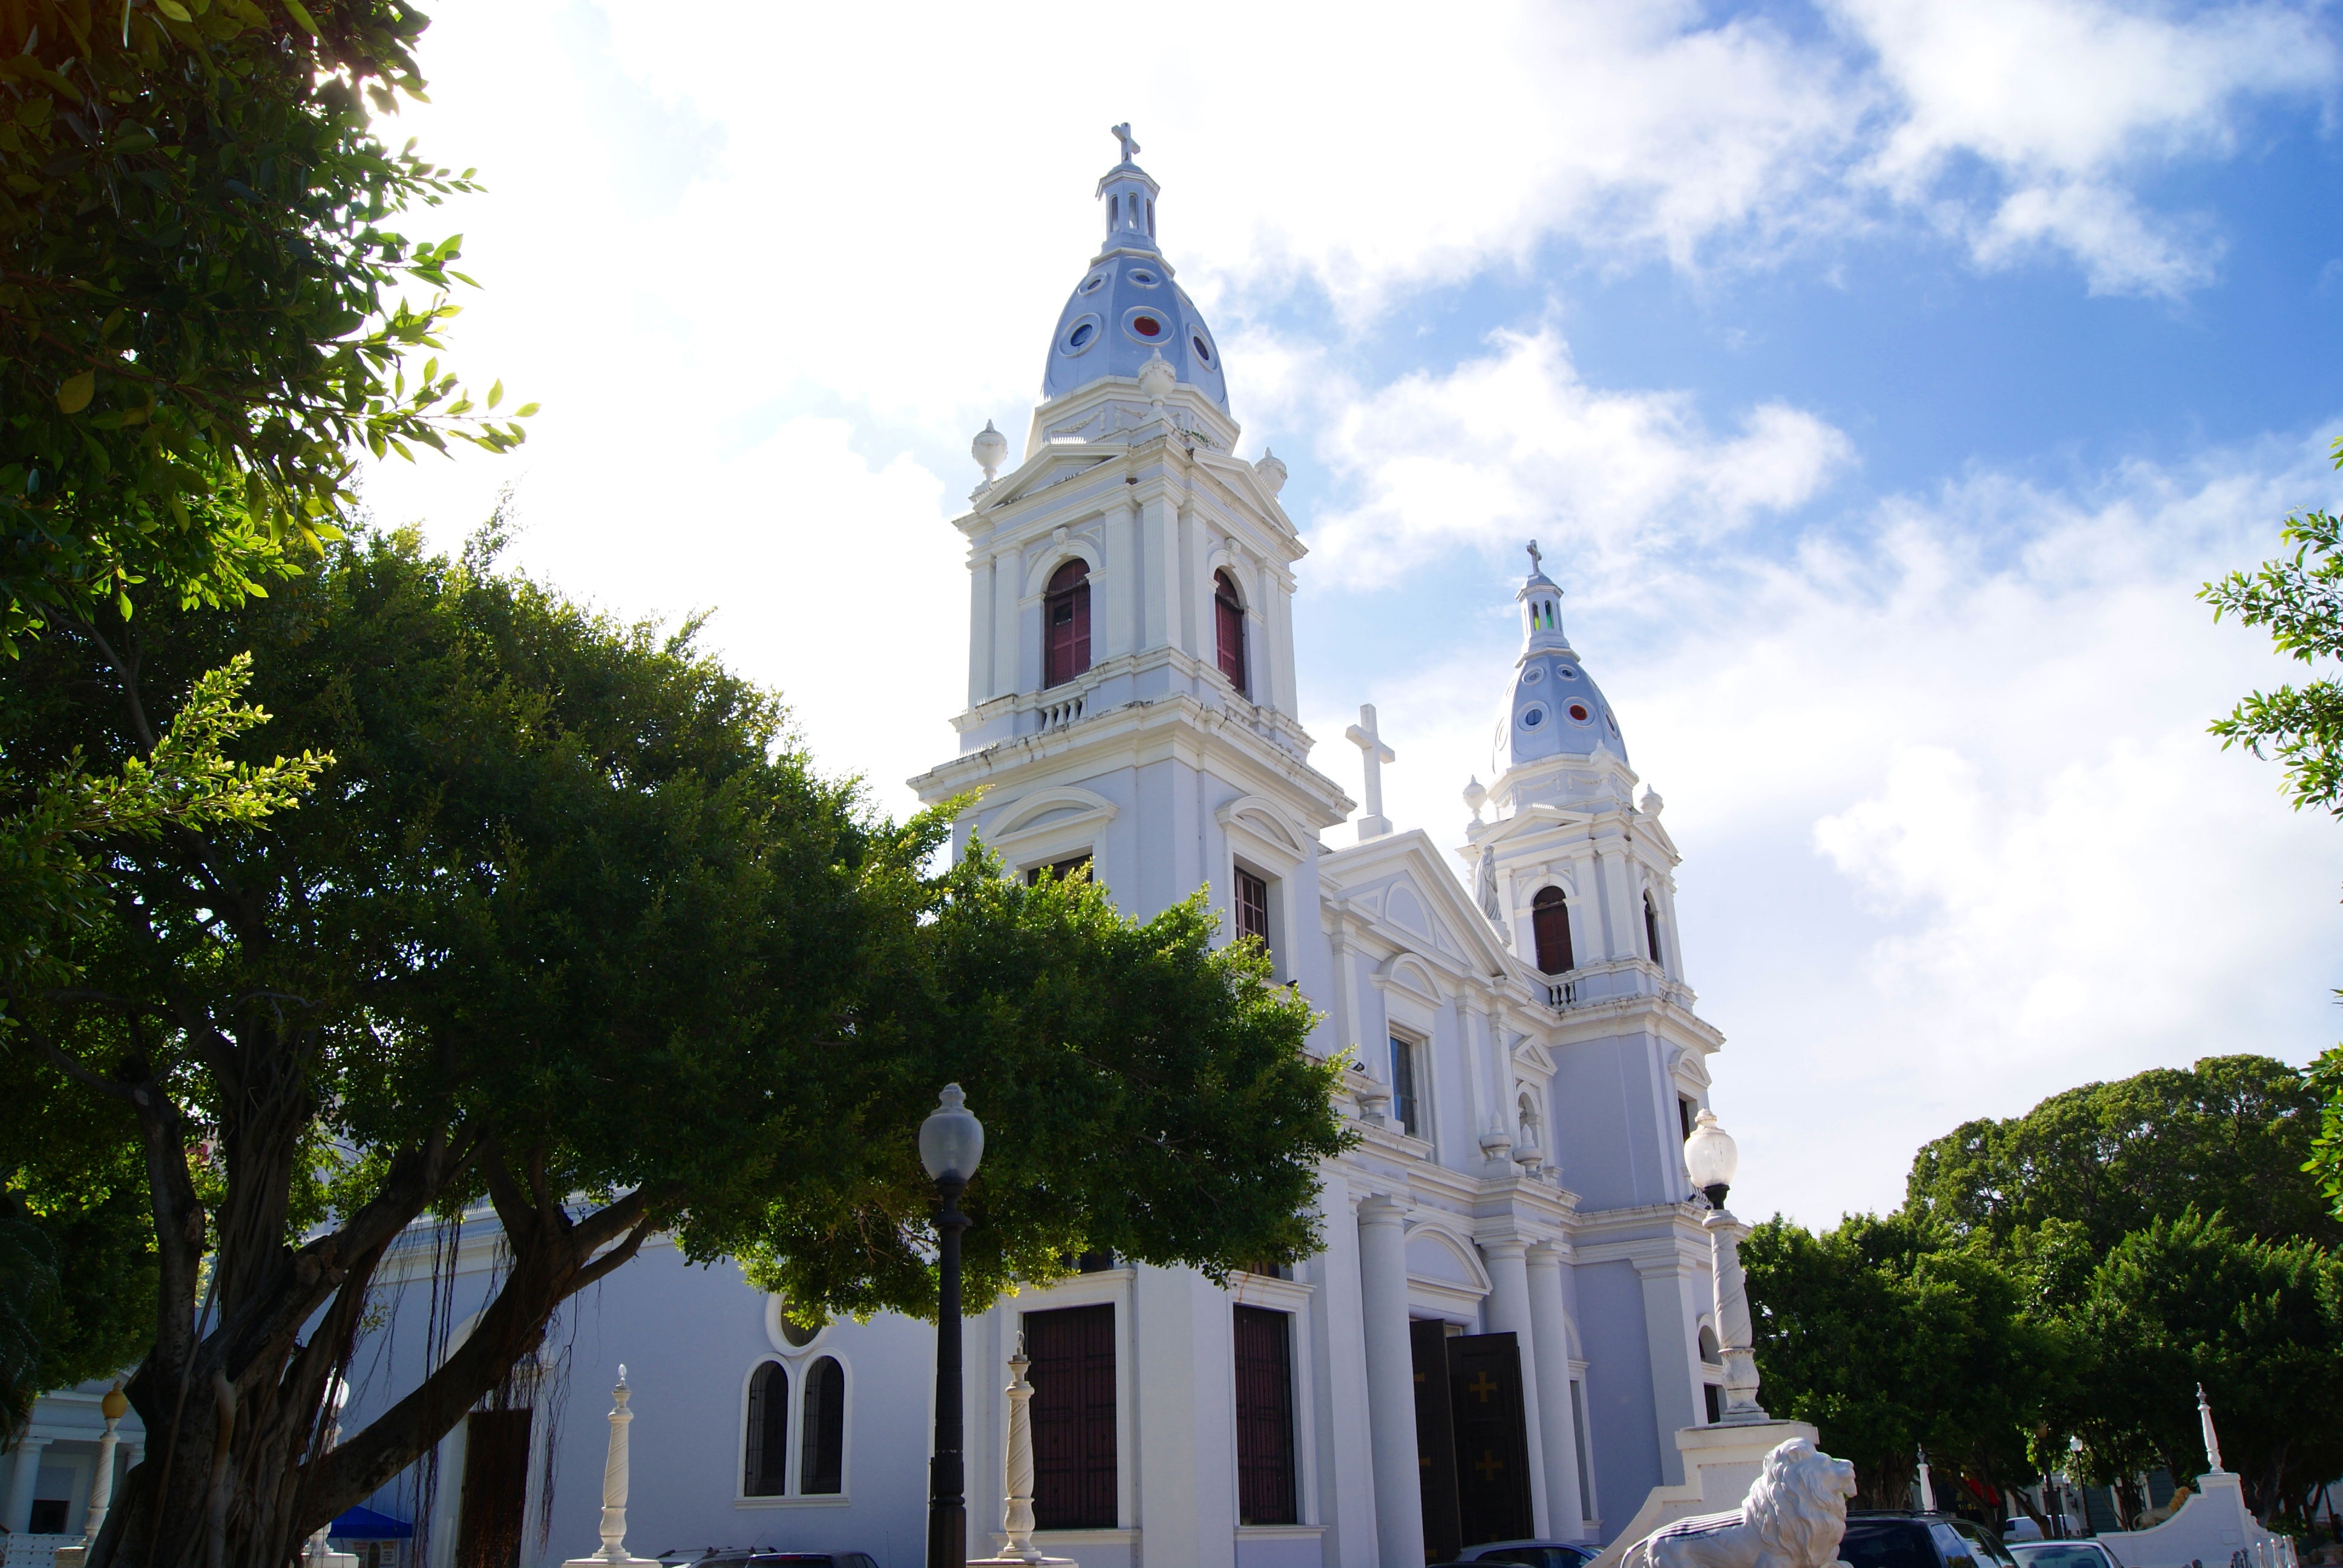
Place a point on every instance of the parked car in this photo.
(1531, 1554)
(2063, 1554)
(1884, 1540)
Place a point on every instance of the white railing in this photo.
(1062, 712)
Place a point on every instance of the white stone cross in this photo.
(1537, 560)
(1121, 133)
(1367, 739)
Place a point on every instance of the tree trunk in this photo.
(237, 1474)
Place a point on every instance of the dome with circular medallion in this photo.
(1126, 307)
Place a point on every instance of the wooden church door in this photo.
(1492, 1447)
(1472, 1439)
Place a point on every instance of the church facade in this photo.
(1509, 1322)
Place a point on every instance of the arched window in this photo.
(766, 1470)
(1066, 624)
(1652, 931)
(1550, 924)
(1228, 617)
(1525, 1109)
(1708, 1351)
(823, 1467)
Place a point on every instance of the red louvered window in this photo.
(1074, 1463)
(1066, 624)
(1252, 905)
(1549, 925)
(1228, 617)
(1264, 1351)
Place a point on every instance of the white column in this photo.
(101, 1482)
(1510, 1312)
(979, 626)
(1345, 1468)
(614, 1488)
(1550, 1326)
(1668, 1317)
(1008, 623)
(1391, 1385)
(1016, 1506)
(21, 1481)
(1733, 1327)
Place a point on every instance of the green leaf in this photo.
(496, 394)
(179, 13)
(74, 395)
(301, 17)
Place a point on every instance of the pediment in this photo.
(1261, 815)
(1438, 1256)
(1419, 896)
(1046, 469)
(1531, 1053)
(1045, 811)
(1410, 974)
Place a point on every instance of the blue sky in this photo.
(1881, 378)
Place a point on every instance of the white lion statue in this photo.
(1794, 1517)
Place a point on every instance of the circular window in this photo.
(1145, 326)
(1144, 278)
(1533, 674)
(1578, 712)
(1203, 352)
(1532, 717)
(1568, 673)
(1093, 285)
(1082, 334)
(785, 1334)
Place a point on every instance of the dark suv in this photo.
(1882, 1540)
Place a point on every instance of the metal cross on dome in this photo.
(1121, 133)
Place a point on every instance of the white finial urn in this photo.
(1476, 795)
(1272, 470)
(1156, 378)
(990, 449)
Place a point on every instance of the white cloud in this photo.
(2066, 100)
(1955, 836)
(1513, 444)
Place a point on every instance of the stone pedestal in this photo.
(1719, 1465)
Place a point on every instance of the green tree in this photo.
(2299, 598)
(1893, 1342)
(2230, 1132)
(572, 923)
(2258, 1323)
(204, 311)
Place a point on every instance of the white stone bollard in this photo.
(614, 1490)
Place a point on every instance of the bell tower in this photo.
(1130, 693)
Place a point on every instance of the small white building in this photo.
(53, 1469)
(1509, 1322)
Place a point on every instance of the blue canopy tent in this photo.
(366, 1525)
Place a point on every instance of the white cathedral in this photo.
(1510, 1322)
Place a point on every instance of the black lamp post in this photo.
(951, 1141)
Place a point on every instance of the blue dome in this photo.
(1126, 308)
(1557, 710)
